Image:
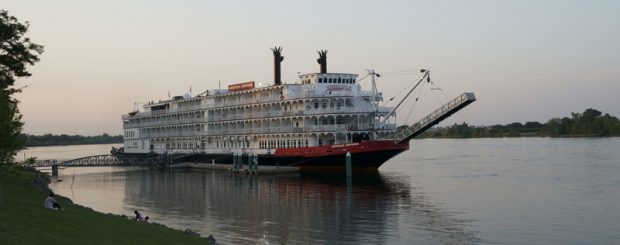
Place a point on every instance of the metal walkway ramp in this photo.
(406, 133)
(99, 160)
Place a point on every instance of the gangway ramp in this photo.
(404, 134)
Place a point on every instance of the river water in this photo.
(442, 191)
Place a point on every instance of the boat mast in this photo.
(375, 102)
(375, 93)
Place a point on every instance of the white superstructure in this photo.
(320, 109)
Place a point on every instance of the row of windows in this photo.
(232, 144)
(336, 80)
(196, 145)
(271, 144)
(182, 145)
(130, 134)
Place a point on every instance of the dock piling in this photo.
(255, 156)
(235, 167)
(348, 156)
(55, 170)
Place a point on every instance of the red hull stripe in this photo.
(364, 146)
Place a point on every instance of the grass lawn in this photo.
(24, 220)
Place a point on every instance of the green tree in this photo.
(16, 53)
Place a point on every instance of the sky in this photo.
(525, 60)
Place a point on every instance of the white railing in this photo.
(165, 122)
(267, 130)
(269, 114)
(307, 128)
(166, 111)
(435, 116)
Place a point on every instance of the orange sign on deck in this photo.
(241, 86)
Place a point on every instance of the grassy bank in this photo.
(24, 220)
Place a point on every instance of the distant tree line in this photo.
(590, 123)
(63, 139)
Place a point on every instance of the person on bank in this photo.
(139, 217)
(51, 203)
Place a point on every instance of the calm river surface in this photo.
(442, 191)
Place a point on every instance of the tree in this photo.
(16, 53)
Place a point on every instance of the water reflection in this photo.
(291, 209)
(506, 191)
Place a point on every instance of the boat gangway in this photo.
(98, 160)
(406, 133)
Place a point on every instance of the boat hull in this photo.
(366, 156)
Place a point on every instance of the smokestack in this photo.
(277, 58)
(322, 60)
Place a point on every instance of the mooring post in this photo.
(255, 163)
(348, 156)
(233, 163)
(239, 162)
(235, 168)
(213, 161)
(55, 169)
(246, 160)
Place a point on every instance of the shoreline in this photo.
(22, 192)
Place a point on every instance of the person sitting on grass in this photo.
(139, 217)
(51, 203)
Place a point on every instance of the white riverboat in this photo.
(311, 123)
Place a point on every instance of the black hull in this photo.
(361, 162)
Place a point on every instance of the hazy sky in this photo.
(526, 60)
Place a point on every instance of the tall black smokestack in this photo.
(277, 58)
(322, 60)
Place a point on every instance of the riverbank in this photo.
(24, 220)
